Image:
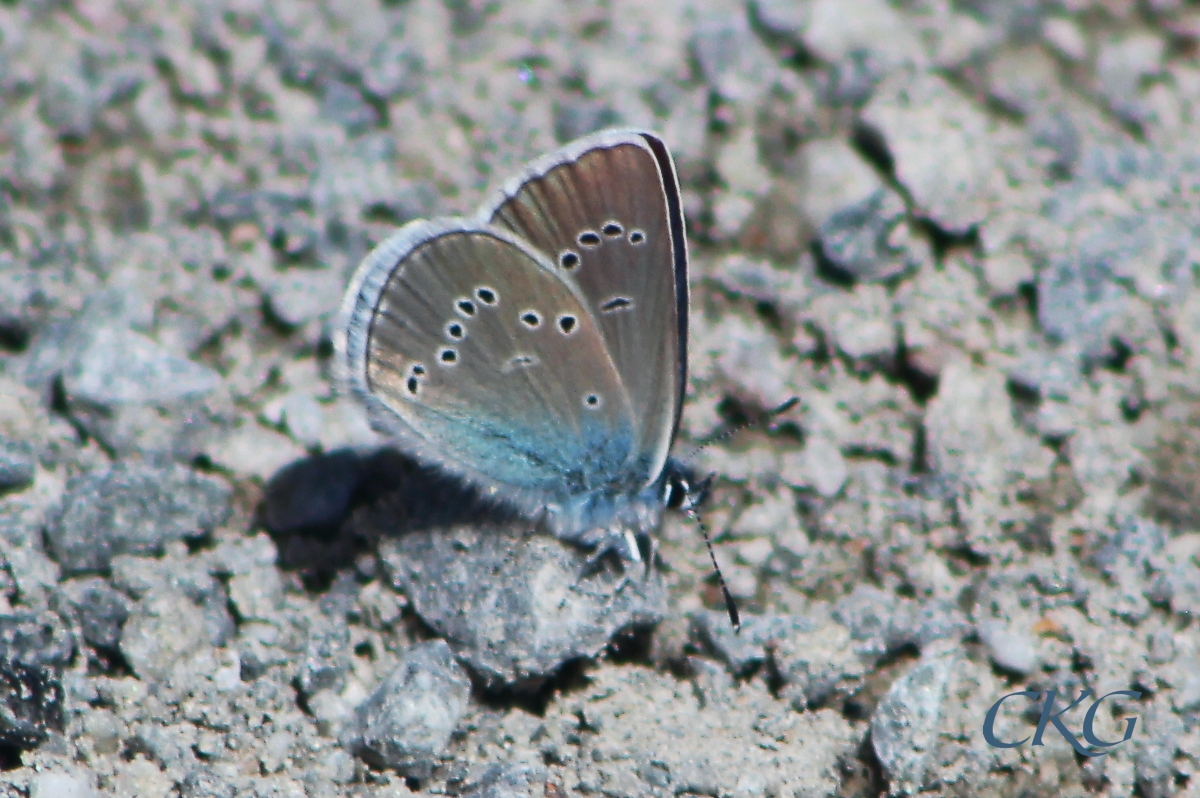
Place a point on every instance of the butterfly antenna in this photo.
(730, 605)
(732, 429)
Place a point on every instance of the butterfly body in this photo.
(538, 349)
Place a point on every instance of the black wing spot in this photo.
(466, 307)
(567, 324)
(568, 259)
(591, 401)
(449, 356)
(589, 239)
(531, 319)
(412, 385)
(637, 237)
(418, 369)
(612, 229)
(486, 295)
(615, 304)
(456, 331)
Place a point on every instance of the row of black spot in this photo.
(590, 239)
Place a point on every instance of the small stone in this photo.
(17, 465)
(133, 508)
(872, 240)
(345, 105)
(257, 594)
(32, 640)
(161, 630)
(510, 781)
(1050, 375)
(55, 784)
(253, 450)
(393, 70)
(1065, 37)
(837, 31)
(299, 296)
(204, 783)
(102, 610)
(744, 650)
(819, 466)
(1123, 64)
(816, 663)
(31, 704)
(407, 722)
(732, 58)
(941, 146)
(905, 725)
(515, 607)
(124, 367)
(300, 413)
(1077, 296)
(1011, 649)
(196, 76)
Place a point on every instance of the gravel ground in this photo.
(965, 233)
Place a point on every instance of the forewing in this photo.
(606, 212)
(478, 356)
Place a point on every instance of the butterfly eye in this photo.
(568, 259)
(566, 323)
(466, 307)
(612, 229)
(589, 239)
(637, 237)
(531, 319)
(486, 295)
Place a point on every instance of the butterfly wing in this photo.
(605, 209)
(468, 348)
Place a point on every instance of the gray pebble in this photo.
(861, 241)
(940, 145)
(117, 367)
(905, 725)
(327, 658)
(31, 703)
(393, 69)
(1076, 297)
(152, 639)
(407, 722)
(510, 781)
(102, 610)
(54, 784)
(17, 465)
(515, 607)
(133, 508)
(33, 640)
(1012, 649)
(745, 650)
(345, 105)
(204, 783)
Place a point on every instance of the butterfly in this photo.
(538, 349)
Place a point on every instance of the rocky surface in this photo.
(965, 234)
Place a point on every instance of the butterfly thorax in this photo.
(597, 518)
